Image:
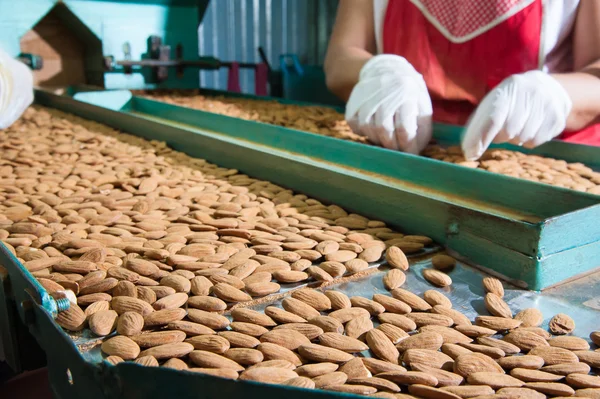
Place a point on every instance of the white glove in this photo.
(390, 105)
(526, 109)
(16, 89)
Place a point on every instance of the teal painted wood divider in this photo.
(531, 232)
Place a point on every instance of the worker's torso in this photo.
(464, 48)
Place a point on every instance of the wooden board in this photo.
(62, 53)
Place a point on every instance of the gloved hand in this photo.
(16, 89)
(526, 109)
(390, 105)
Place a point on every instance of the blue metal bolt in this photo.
(63, 304)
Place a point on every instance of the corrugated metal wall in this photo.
(232, 30)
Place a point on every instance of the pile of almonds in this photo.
(170, 257)
(315, 119)
(328, 122)
(556, 172)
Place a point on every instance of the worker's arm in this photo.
(16, 89)
(351, 45)
(532, 108)
(583, 85)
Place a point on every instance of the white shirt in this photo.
(557, 26)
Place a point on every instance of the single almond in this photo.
(425, 391)
(445, 378)
(167, 351)
(393, 279)
(289, 339)
(588, 357)
(122, 304)
(552, 355)
(210, 343)
(103, 322)
(317, 369)
(409, 378)
(345, 315)
(583, 381)
(355, 369)
(528, 375)
(210, 320)
(443, 262)
(474, 331)
(497, 323)
(561, 324)
(313, 298)
(156, 338)
(72, 319)
(338, 300)
(412, 300)
(469, 391)
(566, 368)
(551, 388)
(570, 343)
(493, 285)
(493, 352)
(212, 360)
(130, 323)
(398, 320)
(494, 380)
(505, 346)
(423, 340)
(530, 317)
(465, 365)
(244, 356)
(252, 316)
(427, 319)
(334, 378)
(392, 305)
(276, 352)
(437, 277)
(283, 316)
(191, 329)
(396, 258)
(394, 333)
(299, 308)
(121, 346)
(356, 328)
(433, 358)
(496, 306)
(374, 308)
(320, 353)
(171, 301)
(342, 342)
(524, 393)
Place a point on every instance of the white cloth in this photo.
(390, 105)
(16, 89)
(527, 109)
(558, 21)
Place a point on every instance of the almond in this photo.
(587, 357)
(244, 356)
(427, 319)
(409, 378)
(433, 358)
(103, 322)
(319, 274)
(252, 316)
(275, 352)
(529, 375)
(506, 347)
(341, 342)
(354, 266)
(357, 327)
(317, 369)
(191, 329)
(210, 343)
(494, 380)
(114, 360)
(319, 353)
(370, 306)
(299, 308)
(339, 300)
(411, 300)
(530, 317)
(566, 368)
(86, 300)
(122, 288)
(561, 324)
(274, 363)
(377, 366)
(443, 262)
(289, 276)
(553, 355)
(310, 331)
(494, 353)
(551, 388)
(353, 389)
(253, 330)
(327, 247)
(200, 285)
(239, 340)
(474, 331)
(212, 360)
(398, 320)
(394, 333)
(121, 346)
(334, 378)
(445, 378)
(355, 369)
(392, 305)
(345, 315)
(494, 286)
(130, 323)
(371, 254)
(454, 350)
(425, 391)
(163, 317)
(300, 382)
(289, 339)
(524, 393)
(465, 365)
(595, 337)
(146, 294)
(457, 317)
(313, 298)
(96, 307)
(122, 304)
(436, 277)
(206, 303)
(583, 381)
(570, 343)
(283, 316)
(171, 301)
(176, 364)
(229, 293)
(469, 391)
(436, 298)
(525, 340)
(72, 319)
(157, 338)
(497, 323)
(393, 279)
(166, 351)
(496, 306)
(210, 320)
(424, 340)
(396, 258)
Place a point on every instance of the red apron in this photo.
(464, 48)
